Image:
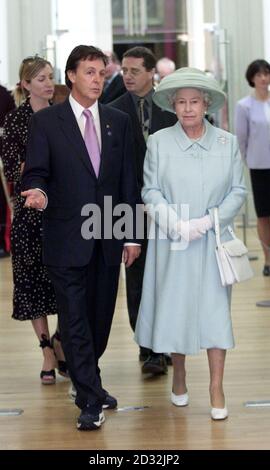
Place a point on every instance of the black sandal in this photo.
(266, 270)
(61, 365)
(47, 376)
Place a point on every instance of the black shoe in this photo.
(168, 359)
(155, 364)
(144, 354)
(110, 403)
(91, 418)
(266, 270)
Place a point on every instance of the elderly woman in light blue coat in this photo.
(190, 169)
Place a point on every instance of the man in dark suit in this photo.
(114, 84)
(80, 155)
(6, 104)
(138, 68)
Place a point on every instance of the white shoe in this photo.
(219, 413)
(179, 400)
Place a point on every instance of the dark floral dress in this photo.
(33, 292)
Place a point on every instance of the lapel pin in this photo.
(222, 140)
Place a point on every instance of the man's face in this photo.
(87, 81)
(111, 67)
(137, 79)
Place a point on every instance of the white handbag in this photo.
(232, 258)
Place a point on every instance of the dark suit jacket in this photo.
(114, 90)
(160, 120)
(57, 162)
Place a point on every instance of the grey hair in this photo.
(206, 97)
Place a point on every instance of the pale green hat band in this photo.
(188, 77)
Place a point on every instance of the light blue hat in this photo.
(188, 77)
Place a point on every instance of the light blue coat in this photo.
(184, 307)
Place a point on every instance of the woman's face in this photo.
(261, 79)
(42, 85)
(190, 107)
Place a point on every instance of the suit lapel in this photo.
(72, 132)
(105, 128)
(106, 139)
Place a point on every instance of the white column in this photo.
(3, 43)
(195, 22)
(89, 23)
(266, 21)
(28, 24)
(104, 33)
(243, 21)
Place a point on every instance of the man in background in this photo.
(138, 67)
(114, 84)
(164, 67)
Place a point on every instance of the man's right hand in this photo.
(35, 199)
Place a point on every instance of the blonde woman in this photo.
(33, 297)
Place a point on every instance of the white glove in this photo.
(194, 229)
(204, 223)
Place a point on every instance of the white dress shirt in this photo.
(78, 110)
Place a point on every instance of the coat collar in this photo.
(184, 141)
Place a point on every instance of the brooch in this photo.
(222, 140)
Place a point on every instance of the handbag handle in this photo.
(217, 227)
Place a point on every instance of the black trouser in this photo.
(134, 282)
(86, 299)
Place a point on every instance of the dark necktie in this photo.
(144, 117)
(91, 140)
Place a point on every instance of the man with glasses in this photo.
(138, 67)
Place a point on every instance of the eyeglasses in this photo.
(133, 72)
